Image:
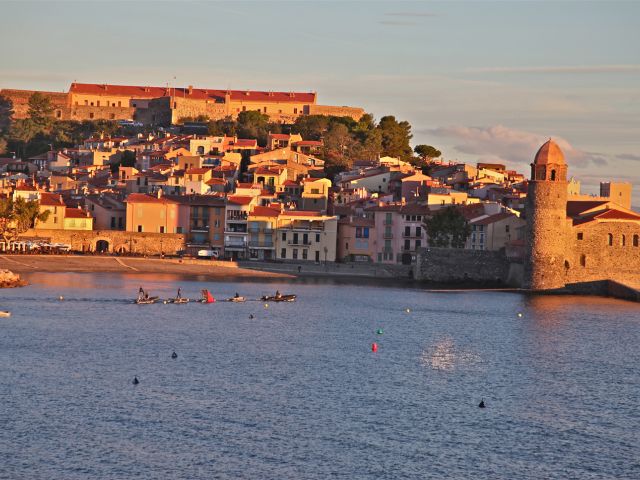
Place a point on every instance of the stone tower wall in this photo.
(546, 235)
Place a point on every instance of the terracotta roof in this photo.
(216, 181)
(245, 142)
(197, 171)
(549, 152)
(357, 222)
(264, 170)
(280, 136)
(75, 213)
(240, 199)
(610, 214)
(577, 207)
(308, 143)
(134, 91)
(302, 213)
(291, 183)
(51, 199)
(259, 211)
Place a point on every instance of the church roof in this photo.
(549, 152)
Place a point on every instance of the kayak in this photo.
(281, 298)
(236, 299)
(146, 301)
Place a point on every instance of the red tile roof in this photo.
(577, 207)
(197, 171)
(133, 91)
(259, 211)
(610, 214)
(51, 199)
(280, 136)
(308, 143)
(246, 142)
(144, 198)
(75, 213)
(240, 199)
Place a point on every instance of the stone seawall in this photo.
(452, 265)
(112, 241)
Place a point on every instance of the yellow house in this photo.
(262, 223)
(77, 219)
(195, 180)
(271, 178)
(315, 193)
(303, 235)
(54, 204)
(155, 213)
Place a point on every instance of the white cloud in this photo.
(508, 145)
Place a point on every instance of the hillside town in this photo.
(192, 193)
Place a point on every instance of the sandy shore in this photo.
(29, 264)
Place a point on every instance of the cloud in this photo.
(628, 156)
(507, 145)
(587, 69)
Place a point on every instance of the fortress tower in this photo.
(546, 211)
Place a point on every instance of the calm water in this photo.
(297, 393)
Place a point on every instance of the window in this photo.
(161, 229)
(418, 244)
(295, 253)
(98, 103)
(244, 109)
(610, 239)
(91, 115)
(112, 116)
(284, 236)
(506, 228)
(119, 104)
(304, 254)
(623, 240)
(580, 235)
(86, 102)
(265, 109)
(553, 175)
(139, 228)
(636, 240)
(295, 110)
(317, 238)
(407, 231)
(119, 222)
(346, 246)
(113, 222)
(407, 244)
(178, 229)
(419, 231)
(58, 113)
(283, 253)
(305, 239)
(583, 260)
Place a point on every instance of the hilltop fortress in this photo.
(167, 105)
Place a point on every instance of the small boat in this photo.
(146, 300)
(177, 300)
(207, 297)
(279, 298)
(236, 299)
(4, 314)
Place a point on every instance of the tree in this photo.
(6, 114)
(128, 158)
(253, 124)
(16, 217)
(447, 228)
(427, 152)
(395, 137)
(40, 111)
(21, 133)
(3, 146)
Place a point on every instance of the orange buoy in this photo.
(374, 347)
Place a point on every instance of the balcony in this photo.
(387, 235)
(231, 229)
(262, 245)
(411, 235)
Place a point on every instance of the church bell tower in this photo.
(546, 211)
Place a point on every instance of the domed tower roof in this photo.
(549, 153)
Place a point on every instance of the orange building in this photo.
(156, 214)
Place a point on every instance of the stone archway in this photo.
(101, 245)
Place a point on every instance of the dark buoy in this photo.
(174, 355)
(135, 380)
(481, 404)
(251, 316)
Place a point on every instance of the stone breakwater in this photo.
(8, 279)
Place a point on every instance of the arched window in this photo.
(610, 239)
(583, 260)
(623, 241)
(553, 175)
(636, 240)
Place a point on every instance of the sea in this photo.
(266, 390)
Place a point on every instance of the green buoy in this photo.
(379, 331)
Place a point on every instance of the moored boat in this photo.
(4, 314)
(236, 299)
(146, 300)
(177, 300)
(206, 297)
(279, 298)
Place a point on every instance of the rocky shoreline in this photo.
(8, 279)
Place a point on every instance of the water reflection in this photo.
(444, 355)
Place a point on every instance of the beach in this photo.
(29, 264)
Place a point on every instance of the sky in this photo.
(481, 81)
